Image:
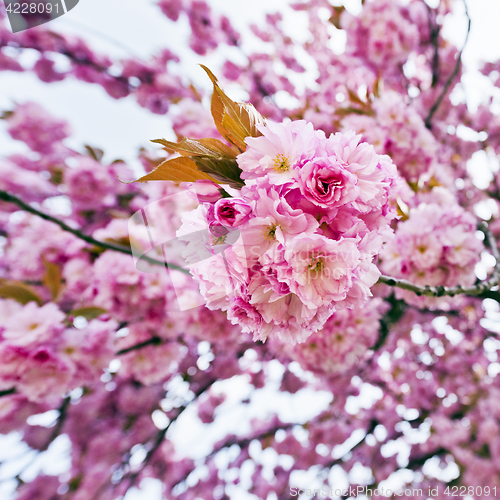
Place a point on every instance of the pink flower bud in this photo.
(232, 212)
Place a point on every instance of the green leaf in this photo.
(90, 312)
(224, 170)
(18, 291)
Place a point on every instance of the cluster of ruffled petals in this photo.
(31, 124)
(41, 358)
(436, 246)
(383, 35)
(297, 242)
(397, 130)
(342, 342)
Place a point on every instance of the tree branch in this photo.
(63, 412)
(162, 433)
(440, 291)
(135, 347)
(9, 198)
(453, 75)
(482, 289)
(434, 30)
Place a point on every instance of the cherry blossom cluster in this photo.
(52, 359)
(343, 341)
(384, 34)
(312, 214)
(400, 132)
(436, 246)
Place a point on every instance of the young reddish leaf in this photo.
(199, 147)
(234, 121)
(355, 98)
(336, 15)
(52, 278)
(177, 170)
(94, 153)
(18, 291)
(403, 209)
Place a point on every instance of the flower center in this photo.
(281, 163)
(317, 265)
(270, 232)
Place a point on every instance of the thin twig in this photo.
(453, 75)
(439, 291)
(490, 240)
(434, 31)
(63, 413)
(135, 347)
(4, 196)
(63, 409)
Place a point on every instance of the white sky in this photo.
(124, 28)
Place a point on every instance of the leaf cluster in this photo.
(208, 158)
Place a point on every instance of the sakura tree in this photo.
(297, 298)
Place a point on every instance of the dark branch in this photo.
(63, 410)
(151, 341)
(4, 196)
(482, 289)
(392, 316)
(434, 30)
(160, 436)
(454, 74)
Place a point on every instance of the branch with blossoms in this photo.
(441, 291)
(317, 218)
(5, 196)
(428, 291)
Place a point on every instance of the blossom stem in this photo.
(9, 198)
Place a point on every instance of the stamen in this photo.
(281, 163)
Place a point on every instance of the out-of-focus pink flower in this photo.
(435, 246)
(31, 124)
